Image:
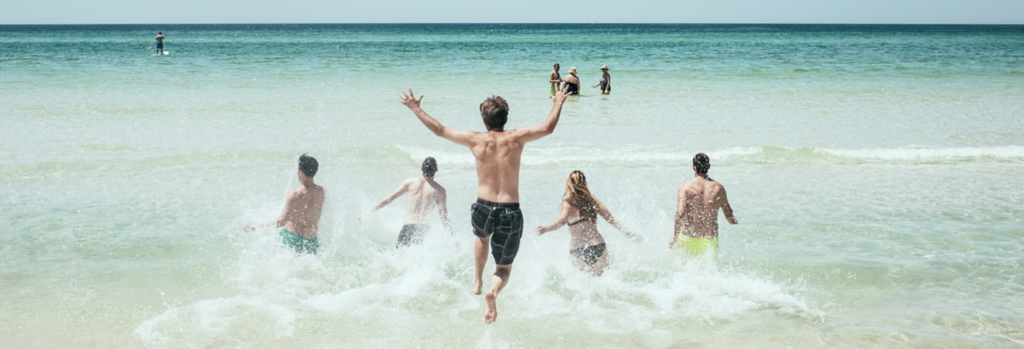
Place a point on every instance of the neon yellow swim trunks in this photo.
(299, 243)
(696, 246)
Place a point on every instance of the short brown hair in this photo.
(494, 110)
(701, 163)
(429, 167)
(308, 165)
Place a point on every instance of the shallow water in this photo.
(875, 171)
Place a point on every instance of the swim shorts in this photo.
(698, 246)
(503, 222)
(411, 234)
(298, 243)
(159, 44)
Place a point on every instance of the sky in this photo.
(512, 11)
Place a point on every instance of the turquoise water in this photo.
(875, 171)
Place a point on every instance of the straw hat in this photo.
(604, 67)
(572, 70)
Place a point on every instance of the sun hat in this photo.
(572, 70)
(604, 67)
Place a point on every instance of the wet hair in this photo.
(308, 165)
(557, 66)
(161, 33)
(494, 110)
(701, 163)
(429, 167)
(577, 194)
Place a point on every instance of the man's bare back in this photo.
(699, 200)
(498, 155)
(302, 210)
(702, 199)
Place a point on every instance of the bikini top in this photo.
(578, 220)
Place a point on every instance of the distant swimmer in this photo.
(696, 226)
(496, 217)
(160, 43)
(579, 210)
(606, 81)
(424, 195)
(556, 80)
(572, 82)
(301, 213)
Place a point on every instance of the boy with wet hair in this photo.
(424, 195)
(302, 209)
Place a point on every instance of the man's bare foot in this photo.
(476, 287)
(492, 309)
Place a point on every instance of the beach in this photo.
(875, 171)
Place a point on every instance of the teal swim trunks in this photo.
(298, 243)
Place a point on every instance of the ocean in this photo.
(876, 171)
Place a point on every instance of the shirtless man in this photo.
(556, 80)
(160, 43)
(424, 194)
(302, 209)
(497, 220)
(697, 210)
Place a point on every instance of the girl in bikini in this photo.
(579, 210)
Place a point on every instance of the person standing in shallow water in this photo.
(556, 81)
(606, 81)
(424, 195)
(696, 219)
(572, 82)
(496, 217)
(302, 208)
(579, 210)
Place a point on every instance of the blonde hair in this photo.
(578, 195)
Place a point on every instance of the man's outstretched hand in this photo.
(410, 100)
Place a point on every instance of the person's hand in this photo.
(733, 220)
(559, 97)
(540, 230)
(248, 228)
(672, 242)
(636, 238)
(410, 100)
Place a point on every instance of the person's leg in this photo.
(498, 282)
(598, 268)
(480, 258)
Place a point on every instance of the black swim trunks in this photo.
(159, 44)
(503, 222)
(589, 254)
(411, 234)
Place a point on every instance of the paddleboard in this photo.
(157, 54)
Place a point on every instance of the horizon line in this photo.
(521, 23)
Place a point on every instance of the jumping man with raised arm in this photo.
(497, 220)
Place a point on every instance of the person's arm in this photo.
(457, 136)
(558, 223)
(726, 209)
(607, 83)
(442, 210)
(402, 189)
(553, 79)
(607, 215)
(281, 220)
(680, 223)
(530, 134)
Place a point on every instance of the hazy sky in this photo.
(512, 11)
